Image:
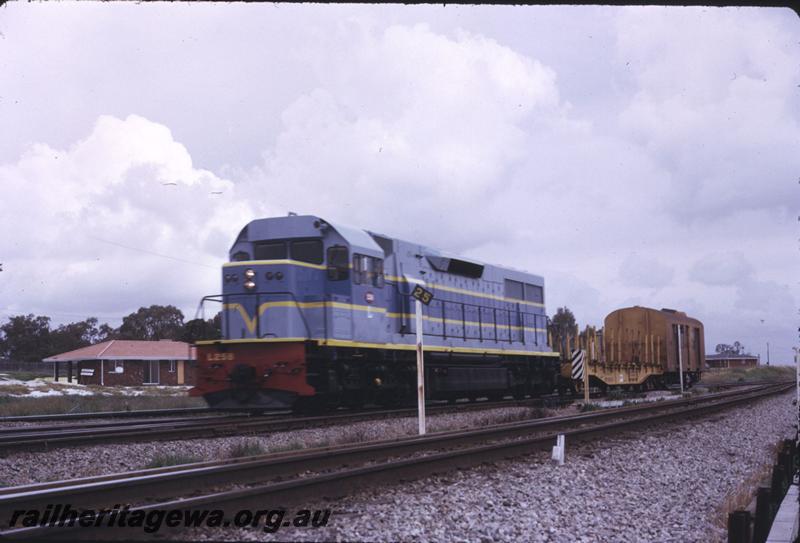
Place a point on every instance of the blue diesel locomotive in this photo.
(316, 314)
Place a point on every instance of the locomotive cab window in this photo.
(309, 250)
(338, 263)
(533, 293)
(514, 289)
(270, 250)
(368, 270)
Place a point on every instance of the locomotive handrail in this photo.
(222, 298)
(496, 326)
(509, 337)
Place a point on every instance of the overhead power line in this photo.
(152, 252)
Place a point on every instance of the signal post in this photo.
(421, 296)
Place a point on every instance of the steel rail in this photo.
(108, 414)
(122, 488)
(34, 438)
(38, 438)
(192, 410)
(59, 429)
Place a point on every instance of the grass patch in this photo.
(16, 407)
(14, 389)
(354, 435)
(24, 375)
(246, 447)
(291, 446)
(589, 407)
(171, 459)
(755, 375)
(540, 413)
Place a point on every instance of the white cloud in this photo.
(717, 105)
(526, 136)
(129, 184)
(410, 120)
(643, 271)
(727, 268)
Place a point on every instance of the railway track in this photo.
(90, 433)
(22, 438)
(334, 471)
(546, 400)
(110, 414)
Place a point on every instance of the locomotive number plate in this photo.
(424, 296)
(219, 357)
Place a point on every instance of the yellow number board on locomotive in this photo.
(219, 357)
(424, 296)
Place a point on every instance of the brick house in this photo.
(724, 361)
(130, 363)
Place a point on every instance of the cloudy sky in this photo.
(640, 155)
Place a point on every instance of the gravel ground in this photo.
(668, 485)
(30, 467)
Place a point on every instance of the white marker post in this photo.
(421, 296)
(420, 370)
(680, 357)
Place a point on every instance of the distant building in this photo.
(130, 363)
(724, 361)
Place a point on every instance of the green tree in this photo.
(562, 324)
(730, 350)
(25, 338)
(75, 335)
(152, 323)
(199, 329)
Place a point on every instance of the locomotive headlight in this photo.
(249, 285)
(249, 273)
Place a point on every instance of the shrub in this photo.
(291, 446)
(161, 460)
(246, 447)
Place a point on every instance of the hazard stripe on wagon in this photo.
(577, 364)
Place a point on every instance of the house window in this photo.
(118, 368)
(172, 365)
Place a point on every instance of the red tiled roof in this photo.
(124, 349)
(731, 357)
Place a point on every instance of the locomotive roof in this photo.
(294, 226)
(360, 241)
